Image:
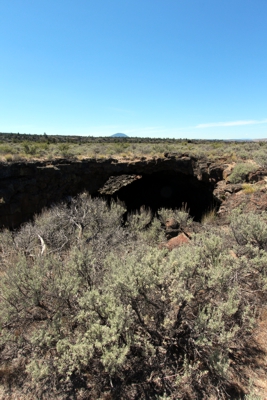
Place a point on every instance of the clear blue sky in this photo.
(154, 68)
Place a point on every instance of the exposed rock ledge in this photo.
(27, 187)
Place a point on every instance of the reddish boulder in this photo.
(177, 241)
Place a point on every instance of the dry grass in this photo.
(209, 216)
(249, 188)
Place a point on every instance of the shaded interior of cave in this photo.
(168, 189)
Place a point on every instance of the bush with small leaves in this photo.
(241, 171)
(181, 215)
(94, 305)
(249, 228)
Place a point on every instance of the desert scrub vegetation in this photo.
(209, 217)
(250, 188)
(240, 172)
(92, 307)
(16, 146)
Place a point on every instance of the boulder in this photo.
(177, 241)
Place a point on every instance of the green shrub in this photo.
(181, 215)
(240, 172)
(29, 148)
(260, 157)
(6, 149)
(249, 228)
(91, 305)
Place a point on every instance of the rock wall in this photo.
(27, 187)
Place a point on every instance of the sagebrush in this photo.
(93, 306)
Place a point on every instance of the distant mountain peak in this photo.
(119, 135)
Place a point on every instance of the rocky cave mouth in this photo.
(170, 183)
(165, 189)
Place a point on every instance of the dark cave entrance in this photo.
(168, 189)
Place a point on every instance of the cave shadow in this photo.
(168, 189)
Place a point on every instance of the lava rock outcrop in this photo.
(28, 187)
